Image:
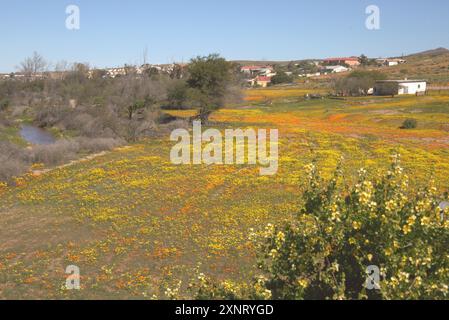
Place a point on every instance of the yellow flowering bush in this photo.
(340, 231)
(3, 186)
(205, 288)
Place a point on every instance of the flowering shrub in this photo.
(409, 124)
(3, 186)
(204, 288)
(340, 231)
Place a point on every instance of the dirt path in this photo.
(73, 162)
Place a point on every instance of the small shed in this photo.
(400, 87)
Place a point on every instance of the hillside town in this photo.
(257, 75)
(174, 70)
(261, 75)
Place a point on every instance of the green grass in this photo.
(12, 134)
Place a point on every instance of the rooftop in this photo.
(342, 59)
(401, 81)
(254, 67)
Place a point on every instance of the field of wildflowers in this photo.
(140, 227)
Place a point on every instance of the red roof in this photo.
(342, 59)
(254, 67)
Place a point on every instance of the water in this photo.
(36, 135)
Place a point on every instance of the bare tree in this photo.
(145, 55)
(33, 65)
(62, 66)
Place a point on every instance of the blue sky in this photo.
(115, 32)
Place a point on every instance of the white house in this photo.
(400, 87)
(114, 72)
(258, 70)
(316, 74)
(337, 69)
(391, 62)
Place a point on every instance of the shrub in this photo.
(12, 161)
(15, 161)
(10, 168)
(50, 116)
(177, 94)
(358, 82)
(4, 104)
(324, 252)
(281, 77)
(409, 124)
(56, 153)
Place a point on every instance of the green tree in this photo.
(307, 67)
(177, 94)
(364, 61)
(139, 105)
(358, 82)
(281, 77)
(208, 81)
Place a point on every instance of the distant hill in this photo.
(430, 65)
(433, 52)
(267, 62)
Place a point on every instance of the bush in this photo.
(84, 121)
(177, 94)
(10, 168)
(15, 161)
(50, 116)
(409, 124)
(358, 82)
(281, 77)
(4, 104)
(12, 161)
(56, 153)
(340, 231)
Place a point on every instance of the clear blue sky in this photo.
(115, 32)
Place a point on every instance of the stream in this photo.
(36, 135)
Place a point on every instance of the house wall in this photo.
(385, 89)
(388, 88)
(338, 69)
(352, 63)
(412, 87)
